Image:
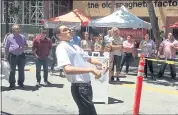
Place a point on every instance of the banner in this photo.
(135, 33)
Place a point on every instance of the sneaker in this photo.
(115, 79)
(47, 83)
(21, 85)
(38, 84)
(153, 77)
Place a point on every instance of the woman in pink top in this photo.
(128, 48)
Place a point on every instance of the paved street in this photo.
(158, 97)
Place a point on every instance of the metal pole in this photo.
(16, 13)
(7, 17)
(112, 6)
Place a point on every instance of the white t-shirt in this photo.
(68, 54)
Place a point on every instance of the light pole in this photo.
(7, 17)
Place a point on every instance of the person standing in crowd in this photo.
(41, 50)
(106, 38)
(99, 44)
(117, 42)
(168, 47)
(14, 47)
(73, 60)
(75, 39)
(128, 49)
(54, 45)
(148, 49)
(86, 43)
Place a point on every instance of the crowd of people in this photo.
(122, 51)
(68, 53)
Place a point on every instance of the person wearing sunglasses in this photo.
(41, 50)
(74, 62)
(14, 54)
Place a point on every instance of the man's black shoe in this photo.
(21, 85)
(12, 86)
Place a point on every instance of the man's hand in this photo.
(36, 56)
(105, 68)
(97, 73)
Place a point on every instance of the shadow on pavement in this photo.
(58, 74)
(26, 88)
(122, 76)
(122, 82)
(5, 113)
(54, 85)
(113, 100)
(133, 74)
(168, 82)
(110, 101)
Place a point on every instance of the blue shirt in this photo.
(76, 40)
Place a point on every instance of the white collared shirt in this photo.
(73, 55)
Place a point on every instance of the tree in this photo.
(154, 22)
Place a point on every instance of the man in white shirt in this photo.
(73, 60)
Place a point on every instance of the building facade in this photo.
(29, 13)
(166, 10)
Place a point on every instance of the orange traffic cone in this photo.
(138, 91)
(141, 66)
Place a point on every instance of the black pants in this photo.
(39, 63)
(126, 58)
(54, 60)
(14, 61)
(82, 95)
(172, 69)
(149, 64)
(117, 62)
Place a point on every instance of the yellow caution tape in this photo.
(164, 61)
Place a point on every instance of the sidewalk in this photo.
(157, 97)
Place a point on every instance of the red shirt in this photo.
(42, 46)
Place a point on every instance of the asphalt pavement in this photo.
(158, 97)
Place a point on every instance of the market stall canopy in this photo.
(72, 19)
(122, 18)
(175, 25)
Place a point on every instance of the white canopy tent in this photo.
(121, 19)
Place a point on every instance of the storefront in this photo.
(166, 11)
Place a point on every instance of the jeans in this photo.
(17, 60)
(54, 60)
(126, 58)
(82, 95)
(117, 62)
(172, 69)
(149, 64)
(39, 63)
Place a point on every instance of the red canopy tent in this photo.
(72, 18)
(175, 25)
